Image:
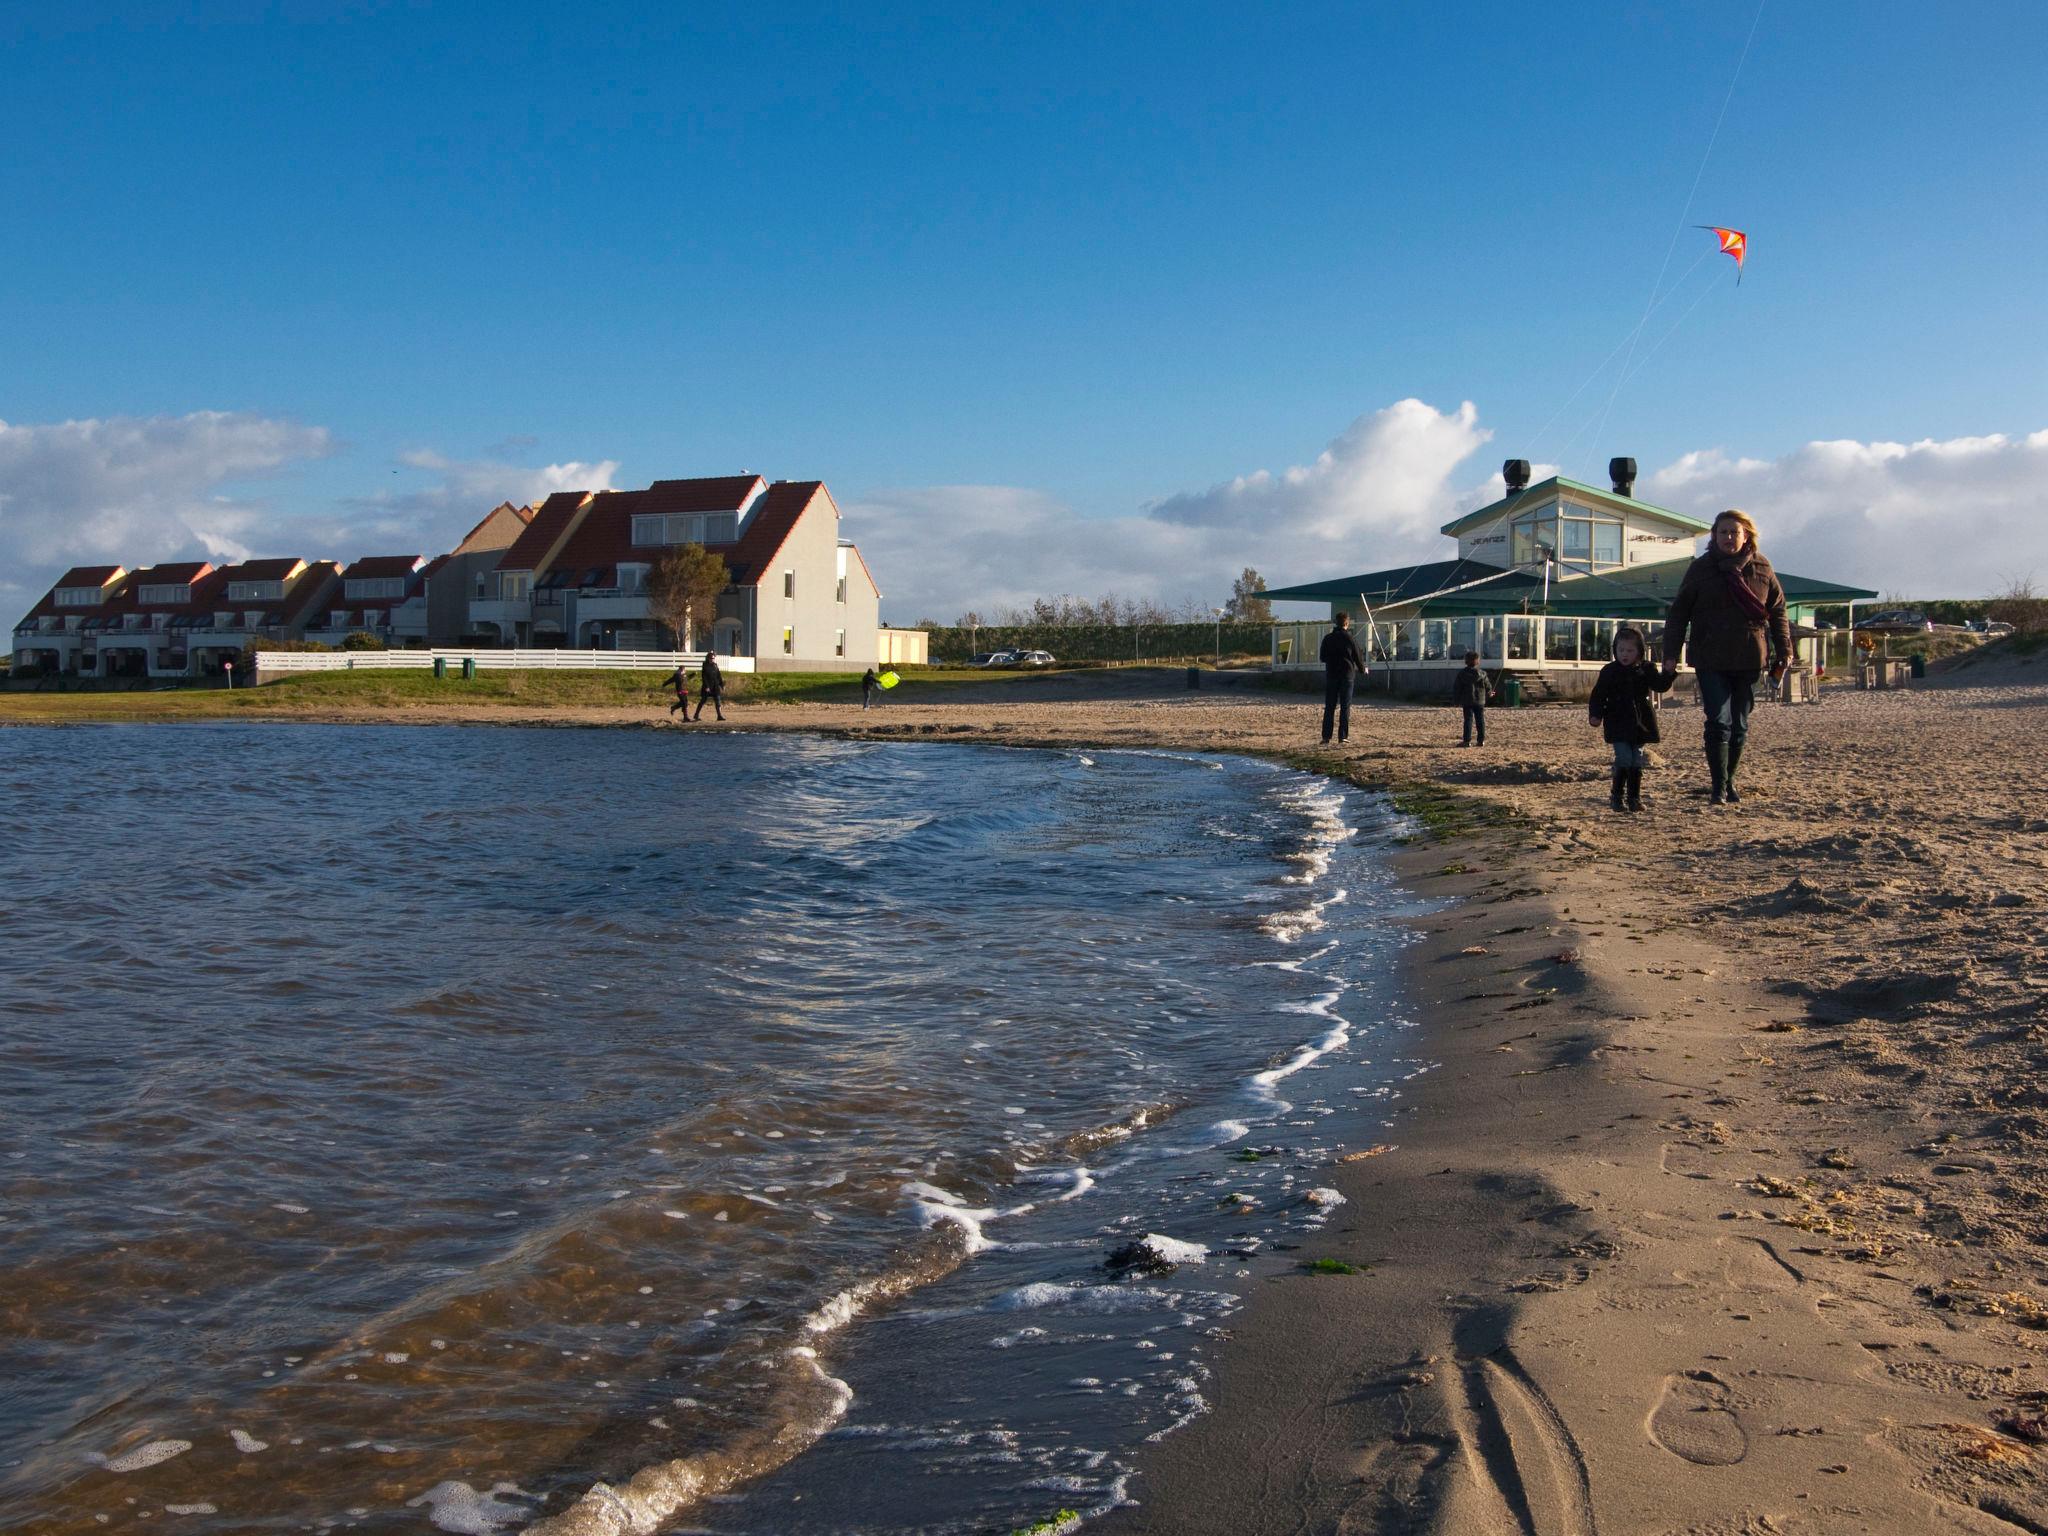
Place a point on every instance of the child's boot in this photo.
(1614, 795)
(1635, 789)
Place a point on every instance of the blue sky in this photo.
(1100, 256)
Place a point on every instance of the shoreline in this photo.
(1720, 1214)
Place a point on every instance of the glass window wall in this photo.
(1521, 638)
(1561, 639)
(1596, 640)
(1407, 634)
(1489, 639)
(1436, 639)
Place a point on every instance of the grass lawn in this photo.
(367, 688)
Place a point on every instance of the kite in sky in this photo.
(1733, 243)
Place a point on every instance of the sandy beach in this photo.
(1722, 1212)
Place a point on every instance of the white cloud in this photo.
(131, 490)
(135, 490)
(1374, 497)
(1953, 518)
(428, 519)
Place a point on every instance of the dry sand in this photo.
(1724, 1211)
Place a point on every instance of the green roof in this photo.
(1638, 592)
(1610, 500)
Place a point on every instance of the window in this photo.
(254, 591)
(223, 621)
(169, 593)
(1489, 639)
(1596, 640)
(1464, 637)
(788, 641)
(633, 579)
(78, 597)
(665, 528)
(1561, 639)
(1436, 639)
(842, 590)
(480, 585)
(1406, 637)
(1521, 639)
(839, 642)
(373, 587)
(514, 586)
(789, 583)
(1607, 543)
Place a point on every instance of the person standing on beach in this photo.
(680, 681)
(868, 684)
(1343, 665)
(711, 688)
(1470, 689)
(1730, 617)
(1624, 706)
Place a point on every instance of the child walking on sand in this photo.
(1624, 706)
(1470, 689)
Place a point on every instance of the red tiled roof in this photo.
(263, 570)
(88, 575)
(310, 590)
(434, 565)
(370, 567)
(774, 516)
(605, 536)
(546, 525)
(181, 573)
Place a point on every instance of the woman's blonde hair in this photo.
(1741, 520)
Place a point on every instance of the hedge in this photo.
(1104, 642)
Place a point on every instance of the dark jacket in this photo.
(1623, 703)
(1471, 687)
(1717, 634)
(712, 681)
(678, 680)
(868, 681)
(1340, 653)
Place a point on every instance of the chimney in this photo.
(1622, 472)
(1516, 473)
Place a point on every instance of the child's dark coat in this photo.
(1623, 703)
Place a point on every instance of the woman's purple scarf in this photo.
(1732, 572)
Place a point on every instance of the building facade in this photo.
(800, 596)
(1542, 579)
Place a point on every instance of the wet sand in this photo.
(1723, 1214)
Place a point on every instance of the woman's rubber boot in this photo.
(1635, 789)
(1717, 766)
(1614, 796)
(1734, 761)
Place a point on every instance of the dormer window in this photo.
(254, 591)
(660, 529)
(79, 597)
(364, 588)
(167, 592)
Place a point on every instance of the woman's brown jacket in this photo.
(1707, 618)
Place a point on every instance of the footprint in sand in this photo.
(1692, 1421)
(1753, 1264)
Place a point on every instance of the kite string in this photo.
(1685, 213)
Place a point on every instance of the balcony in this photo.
(516, 610)
(610, 604)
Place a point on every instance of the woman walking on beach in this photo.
(711, 688)
(1624, 706)
(1733, 609)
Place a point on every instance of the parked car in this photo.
(1988, 627)
(981, 658)
(1896, 621)
(1034, 659)
(1001, 659)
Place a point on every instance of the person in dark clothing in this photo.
(680, 681)
(868, 684)
(1733, 608)
(1624, 706)
(711, 688)
(1471, 689)
(1343, 665)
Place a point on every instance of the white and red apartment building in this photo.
(801, 595)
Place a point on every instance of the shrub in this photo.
(361, 640)
(2020, 606)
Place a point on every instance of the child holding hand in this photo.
(1624, 706)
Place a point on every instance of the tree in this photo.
(683, 588)
(1246, 604)
(2019, 605)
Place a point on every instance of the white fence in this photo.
(274, 664)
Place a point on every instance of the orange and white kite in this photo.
(1733, 243)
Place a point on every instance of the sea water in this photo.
(474, 1129)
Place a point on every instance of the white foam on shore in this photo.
(144, 1455)
(455, 1506)
(1174, 1250)
(247, 1443)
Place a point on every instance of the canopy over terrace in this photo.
(1430, 615)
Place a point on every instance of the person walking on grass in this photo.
(680, 681)
(711, 688)
(1343, 665)
(1729, 615)
(868, 684)
(1470, 690)
(1624, 706)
